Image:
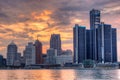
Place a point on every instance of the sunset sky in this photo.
(23, 20)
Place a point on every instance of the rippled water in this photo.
(63, 74)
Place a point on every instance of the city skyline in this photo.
(22, 23)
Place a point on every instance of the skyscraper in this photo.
(98, 44)
(114, 45)
(11, 54)
(55, 43)
(94, 22)
(104, 43)
(88, 54)
(94, 18)
(29, 54)
(38, 52)
(79, 42)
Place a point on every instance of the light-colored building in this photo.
(67, 52)
(18, 60)
(51, 56)
(29, 54)
(11, 54)
(62, 59)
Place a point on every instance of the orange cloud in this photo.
(45, 15)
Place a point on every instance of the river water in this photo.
(60, 74)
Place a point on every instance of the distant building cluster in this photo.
(32, 55)
(99, 44)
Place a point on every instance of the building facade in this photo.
(11, 54)
(38, 52)
(55, 43)
(95, 19)
(98, 44)
(51, 56)
(104, 43)
(114, 45)
(79, 40)
(29, 54)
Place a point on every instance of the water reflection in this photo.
(65, 74)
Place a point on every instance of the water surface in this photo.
(60, 74)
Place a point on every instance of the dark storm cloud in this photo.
(62, 10)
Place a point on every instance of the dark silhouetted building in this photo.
(38, 52)
(104, 43)
(55, 43)
(94, 18)
(98, 44)
(79, 40)
(94, 22)
(88, 54)
(2, 61)
(114, 45)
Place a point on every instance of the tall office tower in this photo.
(79, 42)
(94, 18)
(104, 43)
(55, 43)
(38, 51)
(94, 22)
(88, 54)
(11, 54)
(114, 45)
(29, 54)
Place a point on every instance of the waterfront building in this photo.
(104, 43)
(98, 44)
(11, 54)
(95, 19)
(114, 45)
(29, 54)
(51, 56)
(88, 47)
(38, 52)
(55, 43)
(64, 58)
(79, 42)
(2, 61)
(67, 52)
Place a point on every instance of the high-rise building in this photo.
(114, 45)
(98, 44)
(38, 52)
(11, 54)
(88, 54)
(55, 43)
(94, 22)
(94, 18)
(104, 43)
(29, 54)
(79, 40)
